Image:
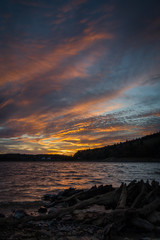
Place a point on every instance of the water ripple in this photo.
(28, 181)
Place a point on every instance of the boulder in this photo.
(20, 213)
(49, 197)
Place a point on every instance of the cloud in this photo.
(72, 5)
(34, 65)
(77, 74)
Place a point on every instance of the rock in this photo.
(19, 214)
(59, 195)
(154, 218)
(93, 215)
(49, 197)
(51, 210)
(2, 215)
(42, 210)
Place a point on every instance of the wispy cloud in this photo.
(75, 75)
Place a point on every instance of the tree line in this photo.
(147, 147)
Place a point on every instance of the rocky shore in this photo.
(130, 212)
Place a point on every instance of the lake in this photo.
(29, 181)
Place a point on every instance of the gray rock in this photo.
(19, 214)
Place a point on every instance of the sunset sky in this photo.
(77, 74)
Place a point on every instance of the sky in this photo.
(77, 74)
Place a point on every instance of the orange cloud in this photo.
(65, 135)
(40, 64)
(71, 5)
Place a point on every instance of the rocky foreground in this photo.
(130, 212)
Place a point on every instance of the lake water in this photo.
(29, 181)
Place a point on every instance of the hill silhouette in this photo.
(145, 147)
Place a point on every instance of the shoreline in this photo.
(109, 160)
(9, 207)
(98, 213)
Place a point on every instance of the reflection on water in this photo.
(29, 181)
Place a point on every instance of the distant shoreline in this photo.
(109, 160)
